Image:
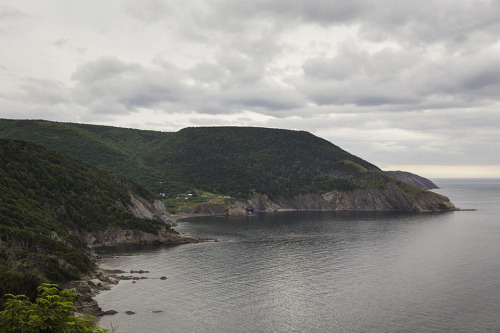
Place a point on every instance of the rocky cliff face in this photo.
(114, 236)
(141, 207)
(391, 198)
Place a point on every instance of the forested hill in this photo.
(112, 149)
(46, 200)
(243, 163)
(237, 161)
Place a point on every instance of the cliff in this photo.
(115, 237)
(146, 209)
(390, 198)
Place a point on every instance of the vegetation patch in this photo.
(50, 312)
(47, 200)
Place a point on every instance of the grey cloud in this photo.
(10, 13)
(456, 23)
(10, 18)
(103, 69)
(61, 43)
(263, 98)
(124, 86)
(149, 11)
(226, 87)
(46, 92)
(327, 12)
(404, 77)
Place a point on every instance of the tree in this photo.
(50, 313)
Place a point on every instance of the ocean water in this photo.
(322, 272)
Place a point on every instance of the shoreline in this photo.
(101, 279)
(181, 216)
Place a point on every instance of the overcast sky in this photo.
(412, 85)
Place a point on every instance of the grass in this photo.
(191, 201)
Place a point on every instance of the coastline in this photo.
(176, 217)
(100, 279)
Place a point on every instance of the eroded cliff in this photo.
(389, 198)
(154, 210)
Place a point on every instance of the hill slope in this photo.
(241, 162)
(413, 179)
(51, 204)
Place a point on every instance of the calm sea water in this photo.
(323, 272)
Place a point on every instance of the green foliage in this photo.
(15, 282)
(49, 313)
(326, 184)
(111, 149)
(46, 201)
(234, 161)
(186, 202)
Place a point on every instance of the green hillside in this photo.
(235, 161)
(112, 149)
(46, 198)
(240, 161)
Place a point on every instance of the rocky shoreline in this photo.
(99, 279)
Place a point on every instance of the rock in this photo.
(114, 271)
(144, 209)
(95, 283)
(130, 312)
(389, 198)
(108, 313)
(163, 278)
(113, 280)
(115, 236)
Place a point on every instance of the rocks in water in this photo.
(130, 312)
(109, 312)
(113, 271)
(140, 271)
(163, 278)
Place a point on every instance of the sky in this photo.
(407, 85)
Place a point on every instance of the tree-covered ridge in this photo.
(46, 199)
(112, 149)
(240, 161)
(236, 161)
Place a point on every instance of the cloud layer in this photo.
(396, 82)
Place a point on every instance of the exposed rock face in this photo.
(113, 237)
(143, 208)
(391, 198)
(412, 179)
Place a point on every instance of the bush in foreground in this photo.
(50, 313)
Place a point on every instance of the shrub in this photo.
(49, 313)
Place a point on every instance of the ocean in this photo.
(321, 272)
